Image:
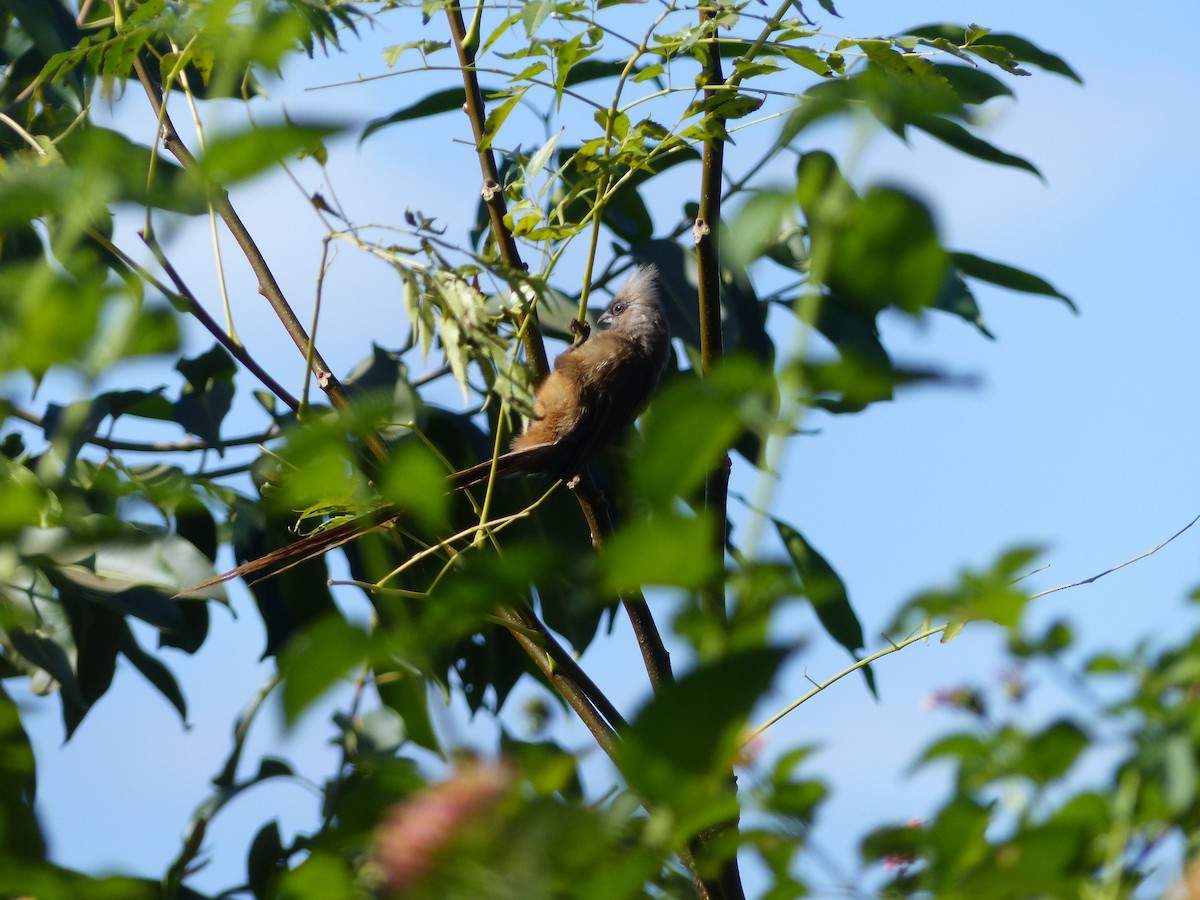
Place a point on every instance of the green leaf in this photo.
(1025, 51)
(234, 157)
(497, 116)
(827, 593)
(667, 549)
(534, 13)
(316, 659)
(1007, 276)
(449, 100)
(954, 135)
(998, 56)
(709, 705)
(885, 252)
(706, 415)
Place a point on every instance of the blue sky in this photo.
(1080, 434)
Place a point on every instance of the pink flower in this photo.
(407, 843)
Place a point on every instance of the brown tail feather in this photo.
(278, 561)
(538, 459)
(527, 461)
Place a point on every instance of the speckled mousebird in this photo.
(597, 388)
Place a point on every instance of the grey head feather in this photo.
(637, 313)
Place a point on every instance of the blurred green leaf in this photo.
(989, 594)
(706, 415)
(884, 252)
(414, 480)
(758, 224)
(316, 659)
(667, 549)
(234, 157)
(680, 745)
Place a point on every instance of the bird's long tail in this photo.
(526, 461)
(538, 459)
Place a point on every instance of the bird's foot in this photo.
(581, 330)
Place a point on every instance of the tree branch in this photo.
(236, 349)
(491, 190)
(267, 285)
(705, 233)
(649, 640)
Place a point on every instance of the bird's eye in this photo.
(618, 308)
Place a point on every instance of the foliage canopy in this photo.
(100, 552)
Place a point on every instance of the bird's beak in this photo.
(605, 319)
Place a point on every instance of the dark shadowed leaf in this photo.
(154, 671)
(449, 100)
(406, 693)
(208, 395)
(827, 594)
(973, 86)
(1007, 276)
(954, 135)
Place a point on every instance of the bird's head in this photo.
(637, 313)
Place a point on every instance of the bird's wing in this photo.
(612, 399)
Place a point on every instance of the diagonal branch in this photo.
(466, 41)
(267, 285)
(492, 191)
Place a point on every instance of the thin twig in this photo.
(465, 43)
(236, 350)
(267, 284)
(820, 686)
(491, 189)
(1128, 562)
(188, 446)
